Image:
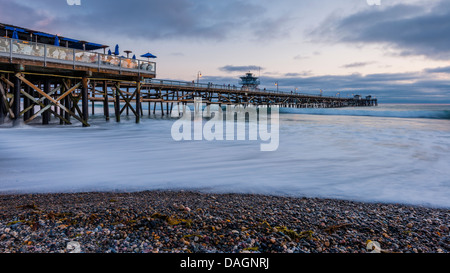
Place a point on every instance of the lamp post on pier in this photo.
(199, 75)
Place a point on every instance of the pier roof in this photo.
(26, 34)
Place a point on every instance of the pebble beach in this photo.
(196, 222)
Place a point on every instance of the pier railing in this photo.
(224, 87)
(13, 48)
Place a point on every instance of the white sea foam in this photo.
(393, 110)
(353, 157)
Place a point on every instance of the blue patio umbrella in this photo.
(56, 41)
(15, 35)
(134, 57)
(148, 55)
(109, 52)
(116, 51)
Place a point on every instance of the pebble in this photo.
(143, 222)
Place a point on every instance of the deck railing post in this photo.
(45, 55)
(10, 50)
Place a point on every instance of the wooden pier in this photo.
(46, 81)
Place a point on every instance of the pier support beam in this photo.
(93, 85)
(68, 105)
(138, 100)
(2, 107)
(105, 100)
(62, 90)
(47, 96)
(117, 102)
(85, 99)
(16, 103)
(46, 114)
(27, 103)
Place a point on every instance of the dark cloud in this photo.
(445, 69)
(296, 74)
(149, 19)
(410, 87)
(15, 13)
(395, 87)
(272, 28)
(300, 57)
(244, 68)
(411, 29)
(357, 64)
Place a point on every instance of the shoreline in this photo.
(197, 222)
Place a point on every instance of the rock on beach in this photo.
(196, 222)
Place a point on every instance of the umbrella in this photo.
(56, 41)
(109, 52)
(15, 35)
(116, 52)
(148, 55)
(134, 57)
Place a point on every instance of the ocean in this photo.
(395, 153)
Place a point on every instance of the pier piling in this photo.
(84, 99)
(16, 96)
(138, 101)
(105, 100)
(45, 113)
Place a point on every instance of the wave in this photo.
(400, 113)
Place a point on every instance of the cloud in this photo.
(411, 29)
(178, 54)
(395, 87)
(296, 74)
(445, 69)
(272, 28)
(407, 87)
(300, 57)
(15, 13)
(357, 64)
(150, 19)
(244, 68)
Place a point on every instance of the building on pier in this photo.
(32, 51)
(249, 82)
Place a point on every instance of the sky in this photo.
(397, 51)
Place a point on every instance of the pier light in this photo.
(199, 75)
